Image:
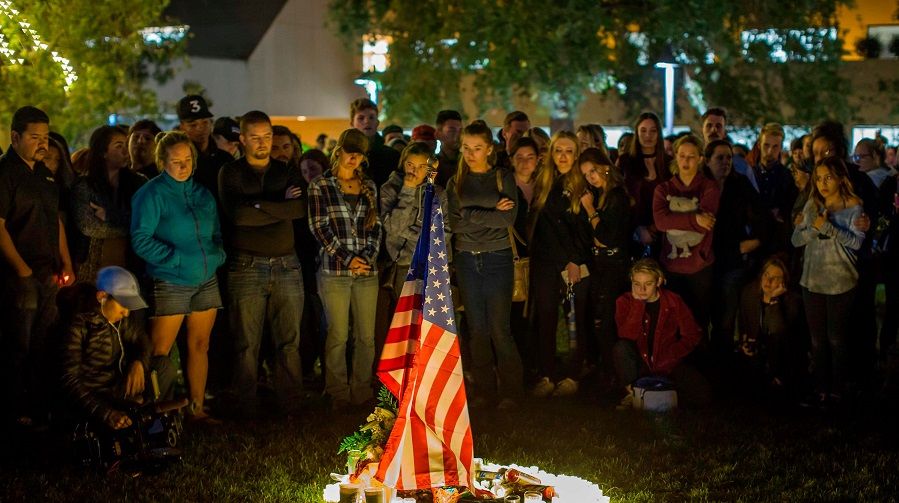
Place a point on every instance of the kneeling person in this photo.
(656, 332)
(106, 353)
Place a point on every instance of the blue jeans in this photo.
(340, 295)
(485, 283)
(266, 289)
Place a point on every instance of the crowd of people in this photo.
(683, 257)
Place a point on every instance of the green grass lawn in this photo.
(732, 451)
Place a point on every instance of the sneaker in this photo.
(626, 403)
(566, 387)
(544, 388)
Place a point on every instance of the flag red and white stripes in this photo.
(431, 442)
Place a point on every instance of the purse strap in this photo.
(513, 234)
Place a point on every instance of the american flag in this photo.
(431, 443)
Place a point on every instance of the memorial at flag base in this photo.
(417, 445)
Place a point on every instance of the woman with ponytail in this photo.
(343, 216)
(483, 205)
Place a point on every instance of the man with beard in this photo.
(714, 127)
(261, 197)
(196, 122)
(286, 146)
(142, 147)
(35, 263)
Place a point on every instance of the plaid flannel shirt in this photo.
(340, 230)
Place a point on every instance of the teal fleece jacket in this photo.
(175, 229)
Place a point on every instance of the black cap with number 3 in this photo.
(193, 107)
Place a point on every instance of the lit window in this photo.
(375, 53)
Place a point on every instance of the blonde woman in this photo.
(175, 229)
(561, 240)
(688, 203)
(343, 217)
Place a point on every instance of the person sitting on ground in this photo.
(772, 327)
(656, 333)
(106, 353)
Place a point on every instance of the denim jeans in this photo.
(340, 295)
(485, 283)
(266, 289)
(31, 312)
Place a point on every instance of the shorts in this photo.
(171, 299)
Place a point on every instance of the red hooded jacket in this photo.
(676, 331)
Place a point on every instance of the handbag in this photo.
(521, 265)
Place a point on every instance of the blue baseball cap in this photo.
(122, 286)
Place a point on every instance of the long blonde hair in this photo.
(573, 182)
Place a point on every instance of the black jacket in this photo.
(741, 216)
(96, 360)
(560, 236)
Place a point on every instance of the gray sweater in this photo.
(830, 253)
(477, 224)
(401, 214)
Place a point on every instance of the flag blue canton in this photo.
(438, 302)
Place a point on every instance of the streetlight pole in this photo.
(669, 95)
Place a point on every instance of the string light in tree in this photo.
(34, 40)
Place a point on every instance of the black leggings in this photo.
(608, 280)
(547, 289)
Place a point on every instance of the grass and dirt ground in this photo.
(738, 449)
(735, 450)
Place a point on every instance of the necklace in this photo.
(351, 185)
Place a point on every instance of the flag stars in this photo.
(440, 297)
(444, 309)
(445, 268)
(433, 228)
(432, 270)
(449, 321)
(441, 255)
(428, 300)
(437, 242)
(432, 312)
(436, 283)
